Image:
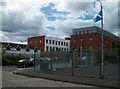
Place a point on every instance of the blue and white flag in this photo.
(99, 16)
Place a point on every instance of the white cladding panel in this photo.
(23, 52)
(54, 45)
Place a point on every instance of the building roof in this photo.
(14, 45)
(99, 30)
(49, 37)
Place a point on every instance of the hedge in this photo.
(10, 59)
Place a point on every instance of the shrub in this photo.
(10, 59)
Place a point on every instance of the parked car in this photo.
(25, 63)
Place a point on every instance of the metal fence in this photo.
(80, 63)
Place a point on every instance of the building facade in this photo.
(22, 50)
(46, 43)
(90, 38)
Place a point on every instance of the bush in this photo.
(10, 59)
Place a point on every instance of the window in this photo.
(18, 48)
(91, 31)
(56, 42)
(74, 40)
(57, 49)
(30, 42)
(83, 32)
(113, 45)
(81, 47)
(75, 33)
(79, 32)
(61, 43)
(87, 31)
(27, 49)
(53, 42)
(64, 49)
(66, 44)
(49, 41)
(90, 47)
(50, 48)
(8, 47)
(81, 39)
(47, 48)
(53, 48)
(46, 40)
(40, 41)
(91, 39)
(35, 41)
(98, 38)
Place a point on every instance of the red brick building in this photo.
(90, 38)
(37, 42)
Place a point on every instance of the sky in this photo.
(20, 19)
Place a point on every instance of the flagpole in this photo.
(102, 46)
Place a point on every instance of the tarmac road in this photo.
(12, 80)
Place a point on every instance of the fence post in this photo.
(65, 55)
(72, 64)
(51, 66)
(12, 59)
(34, 60)
(35, 50)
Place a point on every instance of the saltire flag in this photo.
(99, 16)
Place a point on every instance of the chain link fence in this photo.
(80, 63)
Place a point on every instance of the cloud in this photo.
(23, 19)
(111, 17)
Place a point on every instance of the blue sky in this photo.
(49, 12)
(23, 19)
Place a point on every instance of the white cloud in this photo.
(22, 19)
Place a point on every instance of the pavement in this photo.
(108, 83)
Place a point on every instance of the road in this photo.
(12, 80)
